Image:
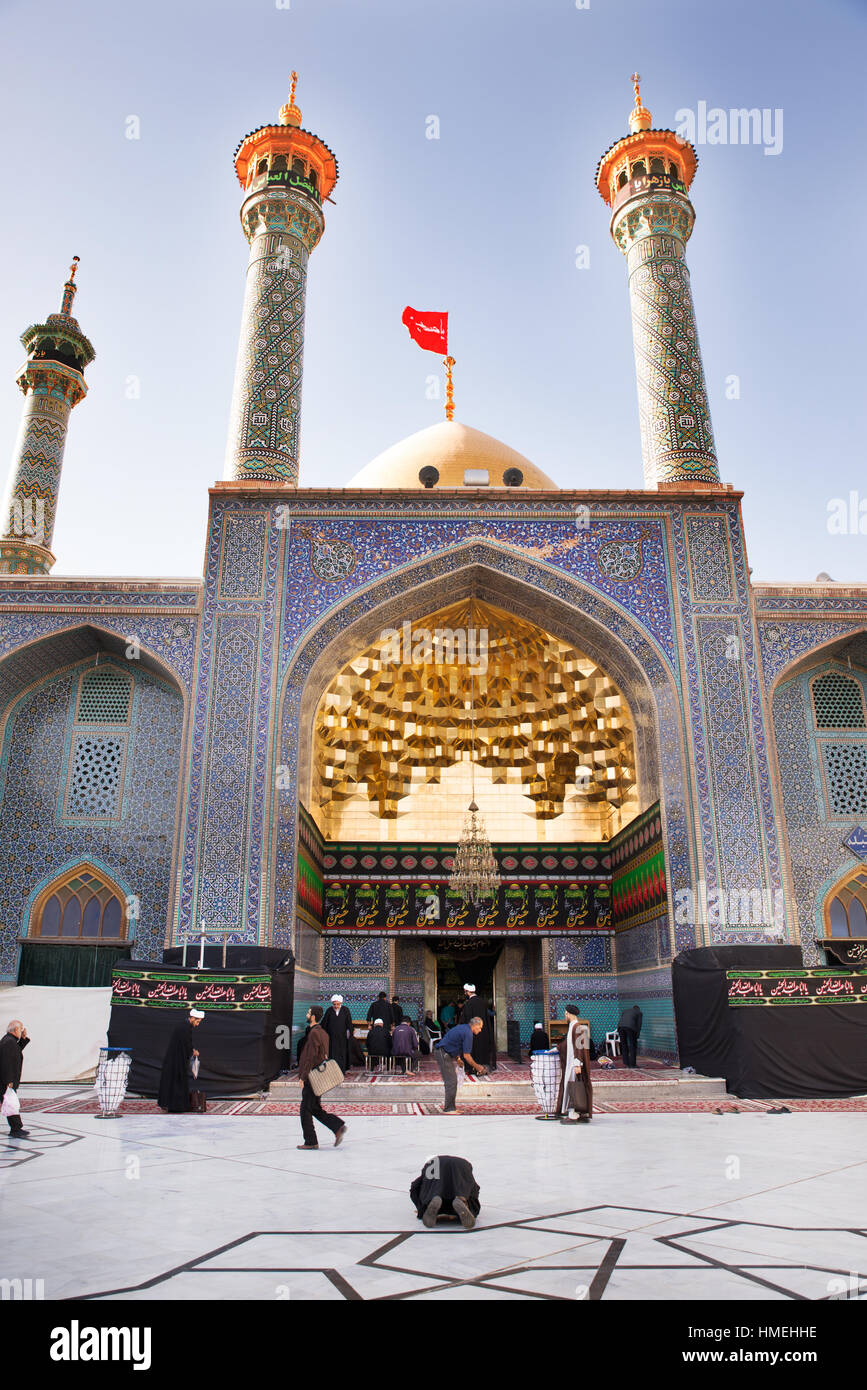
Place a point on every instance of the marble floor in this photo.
(663, 1207)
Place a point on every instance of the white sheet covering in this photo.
(66, 1027)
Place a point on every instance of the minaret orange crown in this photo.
(283, 149)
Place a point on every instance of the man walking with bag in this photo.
(11, 1048)
(315, 1052)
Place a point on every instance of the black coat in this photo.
(631, 1018)
(447, 1177)
(379, 1042)
(539, 1040)
(339, 1030)
(176, 1077)
(381, 1009)
(484, 1046)
(10, 1059)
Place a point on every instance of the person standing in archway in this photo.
(484, 1045)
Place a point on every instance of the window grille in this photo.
(838, 702)
(846, 777)
(97, 761)
(104, 697)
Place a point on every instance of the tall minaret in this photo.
(286, 173)
(644, 178)
(52, 380)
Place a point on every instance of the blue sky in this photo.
(483, 222)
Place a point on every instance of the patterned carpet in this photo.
(87, 1104)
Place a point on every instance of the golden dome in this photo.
(464, 457)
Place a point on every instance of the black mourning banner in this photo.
(816, 1047)
(852, 951)
(400, 908)
(243, 1040)
(157, 987)
(775, 987)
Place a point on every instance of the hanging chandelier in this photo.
(475, 876)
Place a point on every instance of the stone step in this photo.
(390, 1091)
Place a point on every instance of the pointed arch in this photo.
(844, 910)
(83, 902)
(564, 605)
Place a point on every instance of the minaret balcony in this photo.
(641, 184)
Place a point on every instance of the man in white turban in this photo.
(337, 1022)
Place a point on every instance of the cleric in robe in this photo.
(575, 1094)
(484, 1047)
(176, 1075)
(337, 1022)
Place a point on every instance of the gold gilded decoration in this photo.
(450, 388)
(290, 114)
(453, 449)
(639, 118)
(393, 734)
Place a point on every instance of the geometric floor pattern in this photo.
(567, 1256)
(667, 1207)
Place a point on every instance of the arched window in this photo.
(312, 179)
(638, 167)
(298, 166)
(846, 906)
(261, 167)
(674, 170)
(623, 179)
(82, 905)
(838, 701)
(657, 166)
(278, 164)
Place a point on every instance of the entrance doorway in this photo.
(459, 963)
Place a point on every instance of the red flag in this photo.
(430, 330)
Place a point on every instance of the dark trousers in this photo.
(449, 1075)
(311, 1109)
(628, 1041)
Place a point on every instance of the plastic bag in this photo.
(11, 1104)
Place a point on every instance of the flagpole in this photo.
(450, 388)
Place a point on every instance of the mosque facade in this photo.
(665, 754)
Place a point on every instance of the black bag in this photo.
(198, 1102)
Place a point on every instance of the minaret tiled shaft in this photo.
(52, 380)
(286, 172)
(645, 179)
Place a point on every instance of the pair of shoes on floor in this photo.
(450, 1112)
(340, 1135)
(19, 1134)
(307, 1146)
(779, 1110)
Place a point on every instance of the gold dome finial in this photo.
(639, 117)
(290, 114)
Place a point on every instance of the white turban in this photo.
(377, 1023)
(471, 989)
(337, 998)
(197, 1013)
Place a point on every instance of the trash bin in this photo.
(112, 1075)
(545, 1071)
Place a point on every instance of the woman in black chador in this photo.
(176, 1075)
